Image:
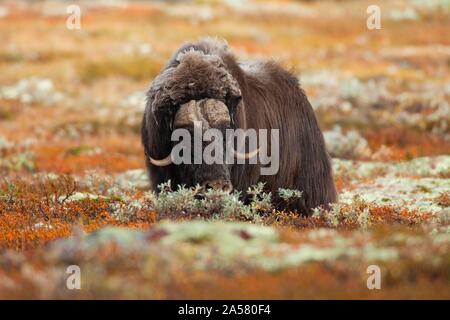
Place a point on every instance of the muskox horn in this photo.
(163, 162)
(160, 163)
(244, 156)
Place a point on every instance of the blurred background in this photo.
(71, 102)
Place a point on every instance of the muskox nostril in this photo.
(228, 187)
(223, 185)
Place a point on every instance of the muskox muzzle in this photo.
(207, 114)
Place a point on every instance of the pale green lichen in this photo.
(216, 204)
(80, 196)
(289, 194)
(302, 255)
(403, 192)
(423, 166)
(374, 253)
(347, 145)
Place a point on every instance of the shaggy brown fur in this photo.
(260, 95)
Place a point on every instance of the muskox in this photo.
(204, 83)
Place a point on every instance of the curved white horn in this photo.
(244, 156)
(161, 163)
(239, 155)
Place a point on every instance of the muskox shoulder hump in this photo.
(209, 46)
(253, 67)
(269, 72)
(279, 74)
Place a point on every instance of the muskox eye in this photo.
(233, 102)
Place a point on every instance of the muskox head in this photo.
(198, 89)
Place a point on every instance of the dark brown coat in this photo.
(260, 95)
